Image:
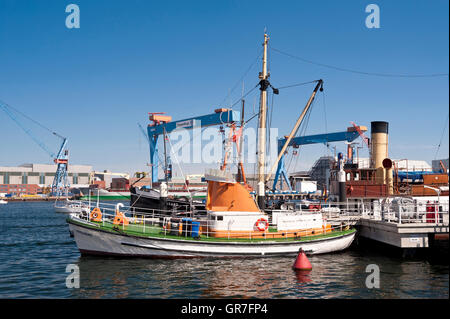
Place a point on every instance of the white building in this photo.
(42, 174)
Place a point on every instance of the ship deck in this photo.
(155, 231)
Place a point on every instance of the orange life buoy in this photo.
(262, 228)
(120, 219)
(96, 215)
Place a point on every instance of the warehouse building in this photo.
(20, 177)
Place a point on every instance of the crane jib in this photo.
(60, 183)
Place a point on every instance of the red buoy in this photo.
(302, 262)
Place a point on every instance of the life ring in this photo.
(120, 219)
(262, 220)
(350, 190)
(96, 214)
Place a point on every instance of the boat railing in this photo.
(142, 210)
(399, 211)
(159, 223)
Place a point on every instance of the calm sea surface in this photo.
(35, 248)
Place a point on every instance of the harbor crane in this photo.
(163, 125)
(350, 135)
(60, 184)
(365, 139)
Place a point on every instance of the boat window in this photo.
(219, 217)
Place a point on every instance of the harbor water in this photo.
(35, 249)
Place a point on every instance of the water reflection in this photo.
(303, 276)
(36, 248)
(339, 275)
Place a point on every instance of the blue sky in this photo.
(94, 84)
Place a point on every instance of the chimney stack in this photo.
(379, 149)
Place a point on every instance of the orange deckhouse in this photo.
(233, 213)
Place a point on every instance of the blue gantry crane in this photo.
(163, 125)
(350, 135)
(60, 184)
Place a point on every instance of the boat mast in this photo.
(166, 178)
(264, 83)
(241, 176)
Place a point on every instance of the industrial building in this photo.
(20, 179)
